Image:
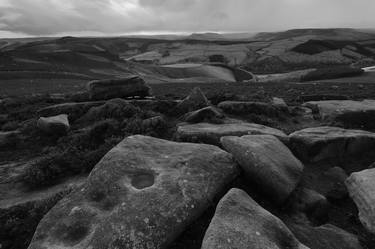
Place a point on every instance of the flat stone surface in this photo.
(142, 194)
(211, 133)
(330, 143)
(361, 187)
(267, 162)
(241, 223)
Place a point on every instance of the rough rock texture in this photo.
(325, 237)
(9, 138)
(208, 114)
(195, 101)
(142, 194)
(74, 110)
(211, 133)
(349, 112)
(333, 143)
(361, 187)
(337, 190)
(241, 223)
(267, 162)
(242, 107)
(121, 88)
(55, 125)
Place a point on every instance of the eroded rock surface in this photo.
(333, 143)
(267, 162)
(142, 194)
(241, 223)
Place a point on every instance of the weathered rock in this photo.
(242, 107)
(324, 237)
(333, 143)
(350, 113)
(121, 88)
(208, 114)
(361, 187)
(337, 190)
(74, 110)
(241, 223)
(9, 139)
(55, 125)
(142, 194)
(211, 133)
(195, 101)
(267, 162)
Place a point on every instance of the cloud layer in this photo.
(54, 17)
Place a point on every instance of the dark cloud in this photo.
(50, 17)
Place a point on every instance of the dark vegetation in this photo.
(332, 73)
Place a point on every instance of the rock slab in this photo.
(241, 223)
(142, 194)
(267, 162)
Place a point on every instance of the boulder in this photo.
(330, 143)
(208, 114)
(361, 188)
(211, 133)
(55, 125)
(350, 113)
(9, 138)
(118, 88)
(325, 237)
(74, 110)
(142, 194)
(279, 103)
(267, 162)
(195, 101)
(243, 108)
(337, 191)
(239, 222)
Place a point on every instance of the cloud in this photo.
(51, 17)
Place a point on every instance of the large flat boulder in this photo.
(241, 223)
(349, 112)
(211, 133)
(330, 143)
(267, 162)
(54, 125)
(142, 194)
(361, 187)
(118, 88)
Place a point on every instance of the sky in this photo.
(22, 18)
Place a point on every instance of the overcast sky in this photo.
(114, 17)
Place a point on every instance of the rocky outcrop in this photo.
(55, 125)
(361, 187)
(242, 107)
(330, 143)
(267, 162)
(241, 223)
(208, 114)
(74, 110)
(325, 236)
(350, 113)
(211, 133)
(195, 101)
(142, 194)
(120, 88)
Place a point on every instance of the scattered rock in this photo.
(195, 101)
(241, 223)
(361, 187)
(55, 125)
(211, 133)
(9, 139)
(119, 88)
(142, 194)
(208, 114)
(333, 143)
(74, 110)
(325, 237)
(242, 107)
(267, 162)
(348, 112)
